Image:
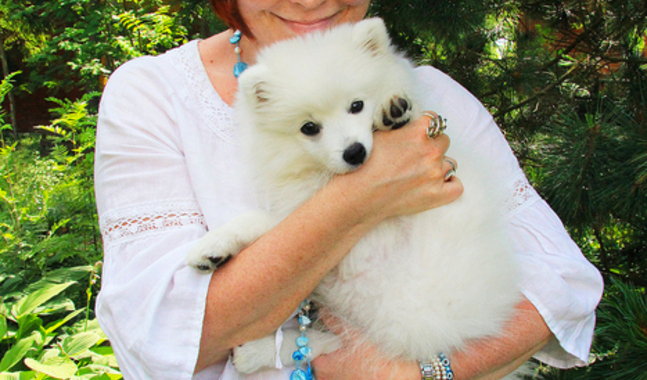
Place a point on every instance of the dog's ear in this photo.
(252, 86)
(370, 35)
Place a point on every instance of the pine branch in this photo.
(537, 94)
(581, 37)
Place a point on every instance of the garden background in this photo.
(565, 80)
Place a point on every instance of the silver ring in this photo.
(452, 163)
(452, 172)
(437, 124)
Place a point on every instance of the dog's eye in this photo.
(357, 106)
(310, 129)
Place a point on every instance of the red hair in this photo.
(228, 12)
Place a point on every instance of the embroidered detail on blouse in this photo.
(217, 115)
(522, 195)
(119, 226)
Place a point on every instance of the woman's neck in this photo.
(218, 58)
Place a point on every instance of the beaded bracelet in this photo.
(438, 369)
(303, 353)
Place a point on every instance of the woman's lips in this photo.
(309, 26)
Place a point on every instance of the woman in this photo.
(167, 168)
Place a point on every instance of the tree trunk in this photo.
(5, 74)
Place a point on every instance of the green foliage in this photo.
(82, 41)
(6, 85)
(38, 339)
(47, 208)
(49, 242)
(49, 239)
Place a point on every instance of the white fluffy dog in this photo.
(414, 286)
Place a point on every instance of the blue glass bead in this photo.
(309, 373)
(299, 374)
(305, 351)
(303, 320)
(235, 38)
(239, 68)
(298, 356)
(302, 341)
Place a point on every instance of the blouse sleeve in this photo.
(556, 278)
(151, 306)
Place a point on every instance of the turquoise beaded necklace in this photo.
(240, 66)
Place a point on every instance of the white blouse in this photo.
(168, 167)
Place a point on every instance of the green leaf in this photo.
(101, 369)
(28, 324)
(22, 375)
(58, 367)
(55, 325)
(3, 327)
(108, 376)
(106, 360)
(27, 304)
(79, 343)
(16, 353)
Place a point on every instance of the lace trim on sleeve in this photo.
(136, 222)
(522, 195)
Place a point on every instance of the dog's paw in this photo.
(218, 246)
(394, 114)
(212, 252)
(261, 354)
(320, 343)
(256, 355)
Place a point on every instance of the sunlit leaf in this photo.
(57, 367)
(79, 343)
(39, 297)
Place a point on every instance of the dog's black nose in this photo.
(355, 154)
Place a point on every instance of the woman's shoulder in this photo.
(166, 69)
(439, 84)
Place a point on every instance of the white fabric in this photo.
(167, 167)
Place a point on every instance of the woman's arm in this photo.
(487, 359)
(259, 288)
(494, 358)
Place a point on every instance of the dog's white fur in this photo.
(414, 286)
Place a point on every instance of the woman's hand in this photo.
(405, 173)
